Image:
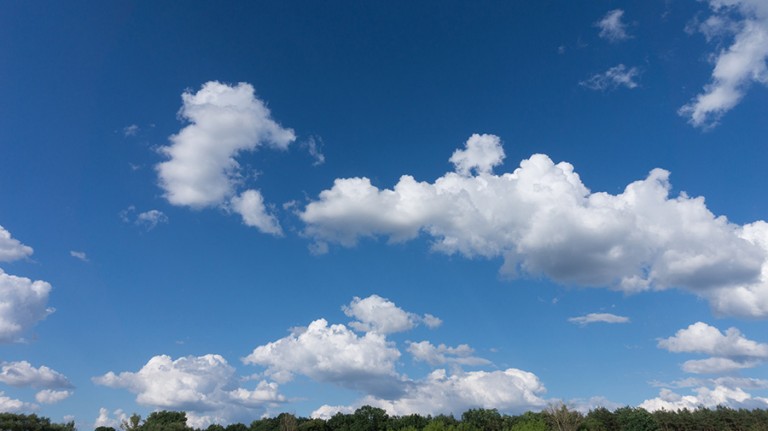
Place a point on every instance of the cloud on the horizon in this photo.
(206, 386)
(542, 220)
(614, 77)
(202, 170)
(708, 397)
(612, 28)
(737, 66)
(598, 318)
(729, 351)
(11, 405)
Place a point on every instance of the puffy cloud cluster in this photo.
(332, 354)
(425, 351)
(12, 405)
(105, 420)
(12, 249)
(709, 397)
(737, 66)
(199, 384)
(730, 350)
(23, 374)
(542, 220)
(377, 314)
(614, 77)
(202, 169)
(510, 390)
(51, 396)
(612, 27)
(598, 317)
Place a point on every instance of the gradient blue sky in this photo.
(587, 283)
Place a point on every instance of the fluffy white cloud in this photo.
(598, 317)
(481, 154)
(381, 315)
(704, 397)
(612, 27)
(12, 249)
(104, 419)
(438, 355)
(702, 338)
(199, 384)
(614, 77)
(50, 396)
(12, 405)
(225, 121)
(730, 350)
(542, 220)
(22, 373)
(23, 303)
(250, 205)
(736, 67)
(511, 390)
(333, 354)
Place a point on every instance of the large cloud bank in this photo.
(202, 170)
(542, 220)
(738, 65)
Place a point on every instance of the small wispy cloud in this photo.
(131, 130)
(617, 76)
(612, 28)
(314, 146)
(79, 255)
(147, 219)
(598, 318)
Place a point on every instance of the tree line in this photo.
(367, 418)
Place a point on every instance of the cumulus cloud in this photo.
(23, 374)
(612, 27)
(200, 384)
(617, 76)
(12, 249)
(381, 315)
(250, 205)
(105, 420)
(730, 350)
(12, 405)
(462, 354)
(23, 303)
(225, 121)
(50, 396)
(510, 390)
(332, 354)
(737, 66)
(598, 317)
(709, 397)
(542, 220)
(481, 154)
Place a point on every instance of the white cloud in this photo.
(250, 205)
(730, 350)
(425, 351)
(315, 148)
(150, 219)
(381, 315)
(332, 354)
(511, 390)
(225, 121)
(598, 317)
(200, 384)
(481, 154)
(612, 27)
(704, 397)
(104, 419)
(23, 374)
(736, 67)
(613, 78)
(542, 220)
(11, 405)
(79, 255)
(50, 396)
(131, 130)
(23, 303)
(702, 338)
(12, 249)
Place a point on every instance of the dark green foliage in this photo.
(635, 419)
(104, 429)
(20, 422)
(482, 419)
(165, 421)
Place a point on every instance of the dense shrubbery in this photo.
(367, 418)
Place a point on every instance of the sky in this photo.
(237, 209)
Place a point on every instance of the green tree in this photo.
(133, 423)
(482, 419)
(563, 419)
(165, 420)
(635, 419)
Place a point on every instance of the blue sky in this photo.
(239, 209)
